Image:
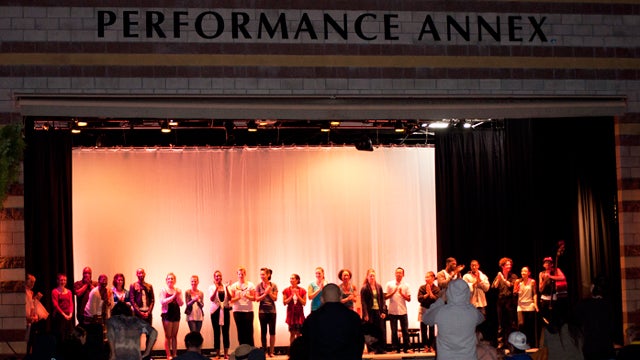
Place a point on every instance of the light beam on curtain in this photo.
(192, 211)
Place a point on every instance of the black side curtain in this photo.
(519, 188)
(47, 196)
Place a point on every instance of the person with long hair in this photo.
(171, 301)
(62, 317)
(120, 293)
(243, 293)
(315, 289)
(526, 290)
(220, 313)
(294, 298)
(374, 312)
(267, 294)
(195, 303)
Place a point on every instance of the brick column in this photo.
(628, 172)
(12, 272)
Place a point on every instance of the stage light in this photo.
(164, 127)
(399, 127)
(74, 127)
(251, 126)
(439, 125)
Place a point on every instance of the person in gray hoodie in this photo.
(457, 320)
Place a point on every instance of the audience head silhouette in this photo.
(331, 293)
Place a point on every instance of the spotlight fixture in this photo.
(439, 125)
(399, 127)
(164, 127)
(75, 129)
(251, 126)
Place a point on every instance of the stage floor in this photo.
(388, 356)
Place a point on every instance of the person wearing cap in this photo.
(456, 320)
(518, 346)
(247, 352)
(549, 280)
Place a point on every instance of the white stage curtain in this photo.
(195, 210)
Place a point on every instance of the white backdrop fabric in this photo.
(196, 210)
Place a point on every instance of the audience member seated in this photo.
(518, 346)
(193, 343)
(456, 321)
(563, 342)
(333, 331)
(299, 349)
(248, 352)
(124, 331)
(631, 351)
(484, 349)
(594, 317)
(73, 346)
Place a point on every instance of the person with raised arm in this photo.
(243, 293)
(294, 298)
(427, 295)
(506, 306)
(450, 272)
(171, 301)
(398, 294)
(142, 297)
(315, 289)
(267, 294)
(220, 313)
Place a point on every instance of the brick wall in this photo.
(12, 272)
(628, 169)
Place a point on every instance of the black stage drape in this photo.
(47, 196)
(517, 189)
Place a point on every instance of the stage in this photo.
(388, 356)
